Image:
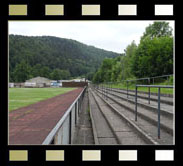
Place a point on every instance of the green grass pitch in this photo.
(21, 97)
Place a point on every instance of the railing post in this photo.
(102, 90)
(149, 94)
(106, 91)
(76, 113)
(149, 90)
(127, 88)
(159, 112)
(136, 103)
(77, 108)
(70, 127)
(80, 104)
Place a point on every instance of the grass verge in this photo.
(144, 89)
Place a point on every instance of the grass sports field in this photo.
(20, 97)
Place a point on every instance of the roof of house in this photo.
(39, 80)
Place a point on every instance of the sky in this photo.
(108, 35)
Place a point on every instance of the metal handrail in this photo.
(67, 114)
(151, 86)
(156, 86)
(145, 78)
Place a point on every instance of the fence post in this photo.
(159, 112)
(80, 104)
(136, 103)
(149, 90)
(76, 113)
(102, 89)
(127, 88)
(70, 127)
(106, 90)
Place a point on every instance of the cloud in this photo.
(109, 35)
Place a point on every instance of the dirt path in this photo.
(31, 124)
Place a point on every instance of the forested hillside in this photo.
(152, 57)
(52, 57)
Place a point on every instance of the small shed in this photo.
(38, 82)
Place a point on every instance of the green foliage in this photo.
(169, 81)
(58, 74)
(152, 57)
(118, 68)
(21, 72)
(130, 52)
(105, 72)
(43, 55)
(157, 29)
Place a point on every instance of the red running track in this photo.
(32, 124)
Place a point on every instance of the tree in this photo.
(126, 60)
(36, 70)
(58, 74)
(45, 72)
(98, 78)
(65, 74)
(46, 53)
(22, 72)
(106, 69)
(157, 29)
(153, 57)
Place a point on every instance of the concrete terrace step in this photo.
(103, 132)
(151, 116)
(164, 99)
(126, 132)
(166, 110)
(145, 123)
